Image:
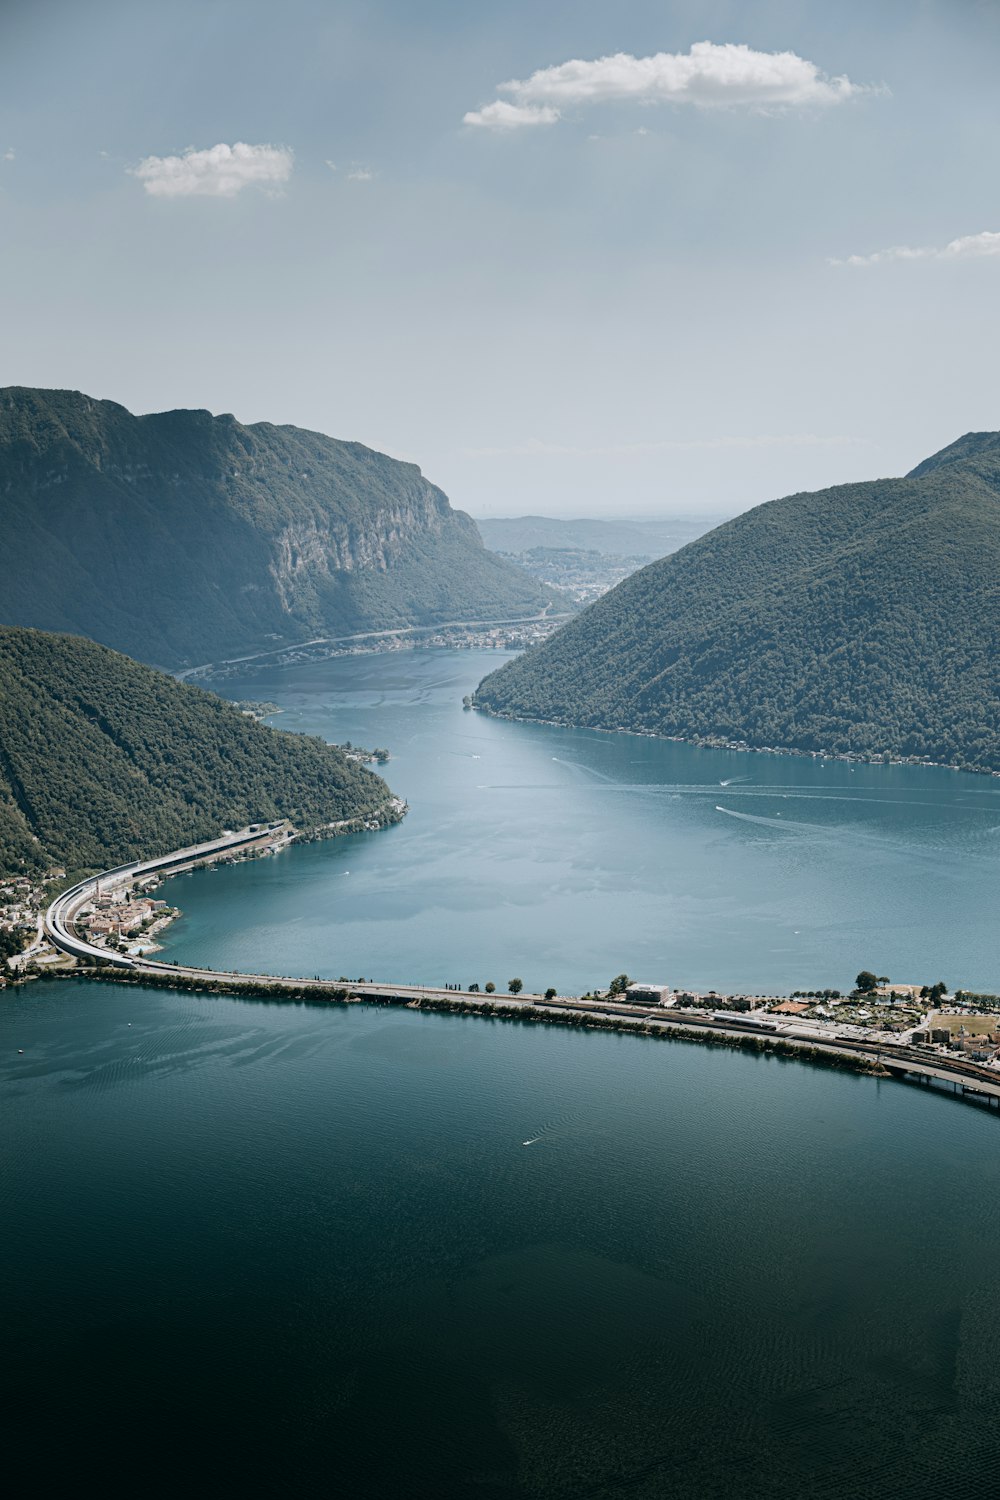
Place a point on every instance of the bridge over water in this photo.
(899, 1060)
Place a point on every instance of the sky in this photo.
(572, 258)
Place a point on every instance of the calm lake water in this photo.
(565, 856)
(258, 1248)
(276, 1249)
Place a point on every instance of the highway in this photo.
(373, 635)
(898, 1058)
(60, 918)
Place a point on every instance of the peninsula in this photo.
(855, 621)
(104, 761)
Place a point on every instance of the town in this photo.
(877, 1009)
(513, 635)
(123, 916)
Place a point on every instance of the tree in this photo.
(866, 982)
(473, 989)
(515, 986)
(550, 993)
(619, 984)
(490, 987)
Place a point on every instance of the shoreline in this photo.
(871, 1054)
(463, 635)
(254, 842)
(535, 1011)
(874, 1053)
(713, 742)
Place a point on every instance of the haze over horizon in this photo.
(573, 261)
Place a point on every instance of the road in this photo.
(60, 918)
(374, 635)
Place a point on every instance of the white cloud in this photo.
(535, 448)
(9, 154)
(503, 116)
(711, 75)
(220, 172)
(332, 165)
(360, 174)
(967, 247)
(985, 243)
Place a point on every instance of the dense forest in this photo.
(858, 619)
(103, 760)
(183, 538)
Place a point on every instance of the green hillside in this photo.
(103, 760)
(182, 538)
(862, 618)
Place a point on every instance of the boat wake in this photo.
(553, 1127)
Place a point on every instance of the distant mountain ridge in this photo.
(103, 760)
(182, 537)
(859, 619)
(644, 538)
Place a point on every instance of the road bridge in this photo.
(898, 1059)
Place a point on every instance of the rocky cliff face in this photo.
(182, 537)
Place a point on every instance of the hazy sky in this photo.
(565, 256)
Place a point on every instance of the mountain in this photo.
(103, 760)
(858, 619)
(513, 534)
(182, 538)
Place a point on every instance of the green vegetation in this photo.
(183, 538)
(103, 761)
(781, 1048)
(979, 1002)
(257, 710)
(11, 943)
(857, 620)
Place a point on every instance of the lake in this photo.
(566, 856)
(260, 1247)
(269, 1248)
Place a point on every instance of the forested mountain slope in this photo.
(182, 537)
(103, 760)
(862, 618)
